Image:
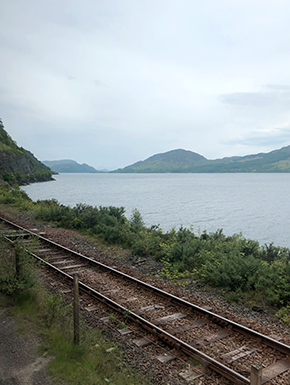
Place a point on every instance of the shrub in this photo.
(16, 271)
(136, 222)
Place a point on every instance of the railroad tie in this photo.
(72, 267)
(238, 353)
(166, 357)
(142, 342)
(181, 329)
(191, 374)
(204, 341)
(148, 308)
(125, 331)
(169, 318)
(275, 369)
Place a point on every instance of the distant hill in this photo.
(18, 165)
(69, 166)
(182, 161)
(172, 161)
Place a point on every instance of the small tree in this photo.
(136, 222)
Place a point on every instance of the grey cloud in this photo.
(256, 99)
(278, 87)
(98, 83)
(247, 99)
(277, 137)
(61, 17)
(11, 43)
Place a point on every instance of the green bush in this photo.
(146, 243)
(51, 210)
(8, 177)
(16, 270)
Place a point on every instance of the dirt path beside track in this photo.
(20, 360)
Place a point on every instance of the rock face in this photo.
(18, 164)
(13, 164)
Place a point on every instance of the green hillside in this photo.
(18, 165)
(172, 161)
(182, 161)
(69, 166)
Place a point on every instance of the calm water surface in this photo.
(255, 204)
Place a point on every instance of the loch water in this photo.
(256, 205)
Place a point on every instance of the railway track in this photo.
(219, 344)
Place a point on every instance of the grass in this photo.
(35, 309)
(87, 363)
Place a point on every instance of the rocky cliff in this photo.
(18, 164)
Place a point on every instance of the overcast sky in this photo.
(112, 82)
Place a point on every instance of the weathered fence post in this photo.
(256, 374)
(17, 262)
(76, 309)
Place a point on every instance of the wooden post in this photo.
(17, 262)
(204, 365)
(256, 374)
(76, 310)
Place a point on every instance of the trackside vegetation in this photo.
(242, 268)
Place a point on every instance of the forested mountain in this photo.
(182, 161)
(68, 165)
(18, 165)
